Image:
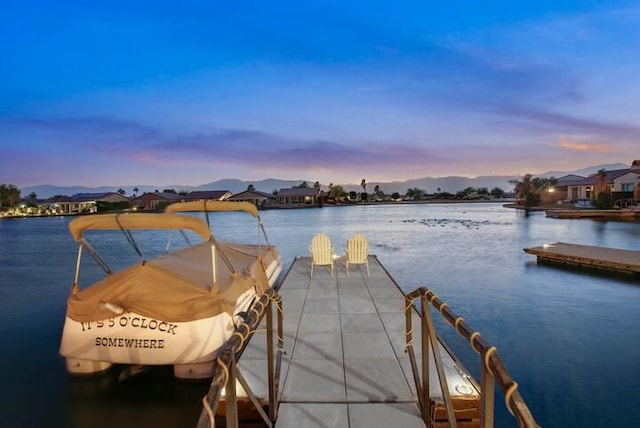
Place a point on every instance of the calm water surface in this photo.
(569, 338)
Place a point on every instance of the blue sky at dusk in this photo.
(121, 93)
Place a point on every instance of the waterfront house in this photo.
(155, 200)
(259, 199)
(84, 203)
(622, 183)
(560, 192)
(207, 195)
(298, 197)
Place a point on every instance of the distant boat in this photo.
(174, 309)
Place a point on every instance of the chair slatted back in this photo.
(321, 250)
(357, 249)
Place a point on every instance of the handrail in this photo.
(626, 203)
(492, 367)
(225, 372)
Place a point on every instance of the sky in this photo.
(189, 92)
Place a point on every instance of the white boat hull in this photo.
(130, 338)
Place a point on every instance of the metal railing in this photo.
(226, 371)
(492, 368)
(627, 203)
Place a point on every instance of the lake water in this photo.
(569, 338)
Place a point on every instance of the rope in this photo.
(255, 311)
(487, 355)
(242, 338)
(458, 320)
(209, 410)
(473, 336)
(205, 401)
(444, 305)
(409, 342)
(225, 370)
(409, 304)
(507, 395)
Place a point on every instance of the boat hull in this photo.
(131, 338)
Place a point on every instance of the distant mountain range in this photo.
(450, 184)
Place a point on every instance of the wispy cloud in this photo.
(583, 147)
(561, 123)
(123, 139)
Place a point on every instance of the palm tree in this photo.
(135, 191)
(602, 197)
(337, 192)
(601, 185)
(121, 191)
(363, 184)
(529, 189)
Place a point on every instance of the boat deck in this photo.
(611, 259)
(345, 363)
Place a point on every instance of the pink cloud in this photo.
(565, 143)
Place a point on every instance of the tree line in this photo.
(10, 195)
(337, 192)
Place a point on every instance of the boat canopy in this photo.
(129, 221)
(175, 287)
(211, 206)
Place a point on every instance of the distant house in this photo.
(259, 199)
(298, 197)
(623, 181)
(83, 202)
(207, 195)
(561, 189)
(155, 200)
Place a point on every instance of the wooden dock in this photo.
(610, 259)
(589, 213)
(345, 363)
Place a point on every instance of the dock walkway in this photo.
(610, 259)
(345, 363)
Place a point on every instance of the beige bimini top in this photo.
(177, 286)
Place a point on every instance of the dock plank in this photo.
(612, 259)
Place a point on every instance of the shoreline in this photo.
(325, 205)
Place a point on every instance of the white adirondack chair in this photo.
(321, 252)
(357, 251)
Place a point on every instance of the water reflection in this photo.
(152, 399)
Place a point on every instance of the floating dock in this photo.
(344, 361)
(588, 213)
(609, 259)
